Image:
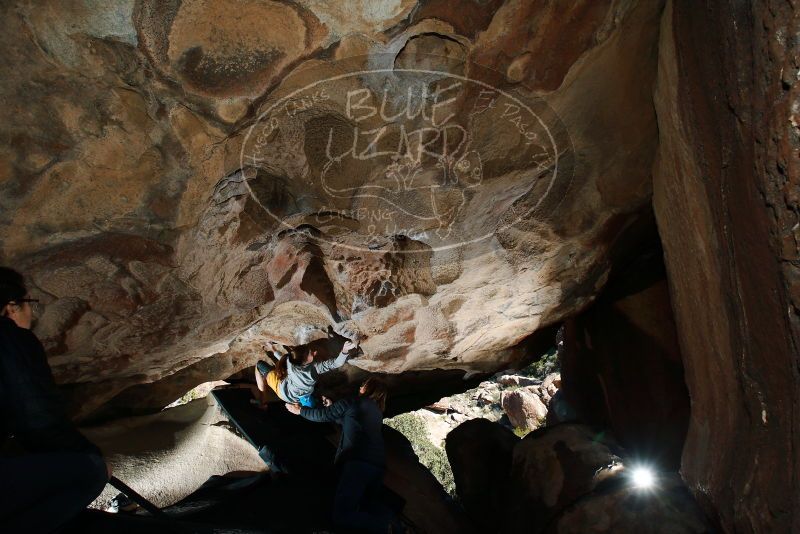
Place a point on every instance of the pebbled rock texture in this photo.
(167, 253)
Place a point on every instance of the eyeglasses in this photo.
(34, 303)
(36, 307)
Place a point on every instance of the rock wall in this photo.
(167, 252)
(725, 196)
(622, 367)
(166, 456)
(171, 228)
(563, 478)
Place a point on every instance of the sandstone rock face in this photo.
(185, 181)
(725, 196)
(166, 456)
(553, 466)
(565, 478)
(226, 49)
(622, 365)
(621, 507)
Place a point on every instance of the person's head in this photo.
(299, 356)
(375, 389)
(302, 355)
(317, 347)
(305, 354)
(14, 300)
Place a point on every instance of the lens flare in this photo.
(643, 478)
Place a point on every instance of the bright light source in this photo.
(643, 478)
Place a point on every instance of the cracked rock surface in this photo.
(163, 256)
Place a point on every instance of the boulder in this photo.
(545, 396)
(487, 393)
(620, 507)
(524, 408)
(480, 454)
(568, 478)
(485, 398)
(516, 380)
(554, 466)
(427, 506)
(168, 455)
(551, 384)
(559, 410)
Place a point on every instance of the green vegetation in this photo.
(547, 364)
(521, 432)
(431, 456)
(195, 393)
(187, 397)
(434, 458)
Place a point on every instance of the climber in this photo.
(360, 459)
(296, 373)
(50, 470)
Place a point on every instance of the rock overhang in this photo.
(156, 245)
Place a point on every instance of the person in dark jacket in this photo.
(360, 457)
(50, 471)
